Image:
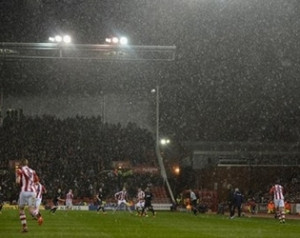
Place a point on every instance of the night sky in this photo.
(235, 77)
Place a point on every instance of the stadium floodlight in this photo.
(112, 52)
(123, 40)
(108, 40)
(157, 145)
(164, 141)
(115, 40)
(58, 38)
(67, 39)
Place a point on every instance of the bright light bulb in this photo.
(115, 40)
(123, 41)
(58, 38)
(165, 141)
(67, 39)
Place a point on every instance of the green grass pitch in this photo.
(164, 225)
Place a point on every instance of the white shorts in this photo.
(140, 204)
(27, 198)
(121, 202)
(278, 203)
(69, 203)
(38, 202)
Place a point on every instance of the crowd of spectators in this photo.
(73, 153)
(78, 153)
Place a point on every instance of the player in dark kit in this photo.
(56, 201)
(237, 203)
(148, 203)
(99, 197)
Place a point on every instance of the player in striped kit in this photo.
(69, 200)
(40, 190)
(26, 178)
(140, 201)
(277, 191)
(121, 196)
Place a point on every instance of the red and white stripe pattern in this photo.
(277, 191)
(69, 196)
(141, 196)
(121, 195)
(40, 189)
(23, 218)
(28, 178)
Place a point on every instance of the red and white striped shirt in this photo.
(69, 196)
(40, 190)
(141, 196)
(28, 178)
(122, 195)
(277, 190)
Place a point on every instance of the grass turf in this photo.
(164, 225)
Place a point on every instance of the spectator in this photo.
(287, 207)
(271, 207)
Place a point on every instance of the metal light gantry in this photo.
(104, 52)
(11, 50)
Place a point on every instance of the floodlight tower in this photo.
(117, 49)
(157, 145)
